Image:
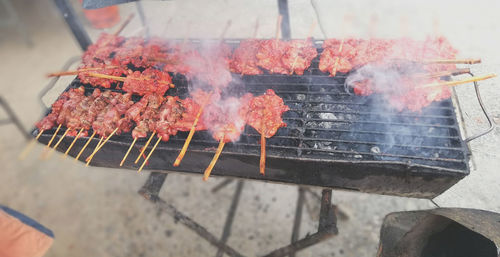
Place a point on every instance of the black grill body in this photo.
(333, 139)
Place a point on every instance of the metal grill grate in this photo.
(333, 139)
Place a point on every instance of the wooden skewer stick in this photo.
(337, 58)
(85, 146)
(207, 172)
(53, 136)
(29, 146)
(76, 72)
(262, 154)
(47, 147)
(278, 27)
(104, 76)
(452, 61)
(144, 147)
(191, 133)
(458, 82)
(149, 155)
(72, 143)
(124, 24)
(128, 151)
(309, 34)
(443, 73)
(99, 146)
(56, 145)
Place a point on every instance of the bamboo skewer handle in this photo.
(452, 61)
(443, 73)
(104, 76)
(278, 27)
(75, 72)
(458, 82)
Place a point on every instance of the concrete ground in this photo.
(97, 212)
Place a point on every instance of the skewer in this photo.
(72, 143)
(85, 146)
(99, 146)
(191, 133)
(75, 72)
(309, 34)
(144, 147)
(104, 76)
(98, 143)
(452, 61)
(53, 136)
(345, 23)
(454, 72)
(337, 58)
(149, 155)
(207, 172)
(128, 151)
(29, 146)
(278, 27)
(262, 154)
(124, 24)
(458, 82)
(44, 153)
(56, 145)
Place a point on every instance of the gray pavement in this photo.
(97, 212)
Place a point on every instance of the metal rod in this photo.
(326, 229)
(298, 217)
(285, 23)
(152, 186)
(13, 118)
(194, 226)
(222, 184)
(327, 218)
(486, 114)
(230, 216)
(74, 23)
(301, 244)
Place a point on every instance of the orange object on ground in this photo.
(21, 236)
(103, 18)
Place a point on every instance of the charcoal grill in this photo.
(333, 140)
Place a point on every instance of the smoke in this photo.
(208, 61)
(391, 91)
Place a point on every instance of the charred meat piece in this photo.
(150, 81)
(270, 56)
(226, 119)
(265, 113)
(170, 112)
(299, 55)
(244, 60)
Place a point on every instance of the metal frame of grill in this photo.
(333, 139)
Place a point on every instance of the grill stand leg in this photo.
(222, 184)
(327, 228)
(327, 220)
(298, 217)
(230, 216)
(13, 119)
(150, 191)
